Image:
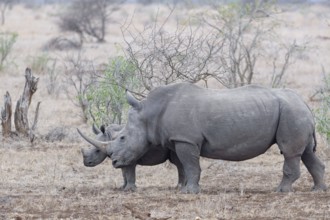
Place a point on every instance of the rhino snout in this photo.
(89, 164)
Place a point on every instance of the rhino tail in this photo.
(315, 141)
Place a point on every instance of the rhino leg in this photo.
(129, 178)
(291, 172)
(315, 167)
(181, 176)
(188, 155)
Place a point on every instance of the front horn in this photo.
(98, 144)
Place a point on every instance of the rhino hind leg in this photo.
(315, 167)
(291, 172)
(129, 178)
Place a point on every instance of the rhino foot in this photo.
(283, 188)
(190, 189)
(319, 187)
(179, 186)
(129, 188)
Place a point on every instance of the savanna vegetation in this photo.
(83, 55)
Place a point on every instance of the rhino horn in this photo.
(95, 129)
(98, 144)
(133, 101)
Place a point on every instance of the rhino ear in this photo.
(96, 130)
(136, 104)
(102, 129)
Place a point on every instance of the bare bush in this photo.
(246, 32)
(225, 45)
(4, 6)
(162, 56)
(79, 74)
(62, 43)
(88, 18)
(53, 84)
(320, 92)
(279, 70)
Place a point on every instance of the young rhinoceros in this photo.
(94, 156)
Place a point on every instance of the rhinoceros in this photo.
(94, 156)
(227, 124)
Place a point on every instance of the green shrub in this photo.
(322, 113)
(7, 41)
(107, 98)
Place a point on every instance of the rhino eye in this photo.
(97, 151)
(122, 138)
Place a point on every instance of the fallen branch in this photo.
(142, 215)
(137, 213)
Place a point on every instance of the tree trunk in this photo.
(6, 113)
(22, 106)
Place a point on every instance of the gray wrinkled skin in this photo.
(94, 156)
(232, 124)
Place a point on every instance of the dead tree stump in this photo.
(6, 113)
(21, 112)
(23, 104)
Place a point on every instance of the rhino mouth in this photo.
(89, 164)
(118, 163)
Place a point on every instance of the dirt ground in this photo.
(47, 180)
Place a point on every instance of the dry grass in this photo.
(49, 181)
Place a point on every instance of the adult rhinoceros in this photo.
(154, 156)
(232, 124)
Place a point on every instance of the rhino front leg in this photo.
(129, 178)
(181, 175)
(291, 172)
(188, 155)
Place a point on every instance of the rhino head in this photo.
(129, 144)
(92, 155)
